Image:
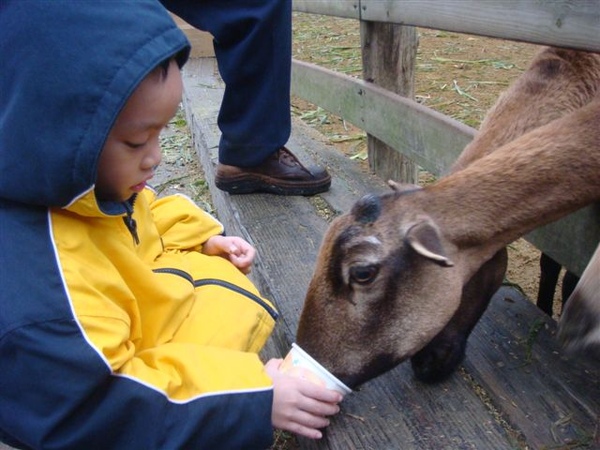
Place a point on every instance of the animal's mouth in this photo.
(352, 381)
(379, 365)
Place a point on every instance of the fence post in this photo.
(389, 53)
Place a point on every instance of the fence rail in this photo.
(563, 23)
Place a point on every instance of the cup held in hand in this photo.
(298, 362)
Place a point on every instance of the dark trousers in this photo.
(252, 40)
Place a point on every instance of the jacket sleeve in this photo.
(181, 223)
(84, 381)
(57, 393)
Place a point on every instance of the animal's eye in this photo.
(363, 274)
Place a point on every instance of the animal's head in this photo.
(384, 286)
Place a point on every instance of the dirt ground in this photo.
(458, 75)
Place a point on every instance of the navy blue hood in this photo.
(68, 68)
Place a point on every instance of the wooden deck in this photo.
(515, 389)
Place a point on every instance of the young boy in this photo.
(126, 320)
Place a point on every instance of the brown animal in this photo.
(408, 274)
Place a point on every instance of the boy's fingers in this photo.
(321, 409)
(309, 426)
(323, 395)
(306, 432)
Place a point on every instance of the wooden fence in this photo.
(430, 139)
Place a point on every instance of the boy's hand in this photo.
(299, 405)
(235, 249)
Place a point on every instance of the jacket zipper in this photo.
(130, 222)
(222, 283)
(239, 290)
(179, 273)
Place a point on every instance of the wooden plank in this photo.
(552, 399)
(431, 139)
(389, 53)
(563, 23)
(393, 411)
(338, 8)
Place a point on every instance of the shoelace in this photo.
(288, 158)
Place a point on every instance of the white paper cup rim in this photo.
(323, 372)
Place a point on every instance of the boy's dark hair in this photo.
(164, 66)
(179, 58)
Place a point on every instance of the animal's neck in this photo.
(525, 184)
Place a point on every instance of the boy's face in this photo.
(132, 150)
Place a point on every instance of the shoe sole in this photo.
(252, 185)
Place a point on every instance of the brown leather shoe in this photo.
(280, 174)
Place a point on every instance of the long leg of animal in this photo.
(438, 359)
(549, 272)
(569, 283)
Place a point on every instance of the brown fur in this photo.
(408, 274)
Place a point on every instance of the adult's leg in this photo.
(253, 50)
(252, 40)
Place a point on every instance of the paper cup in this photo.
(298, 359)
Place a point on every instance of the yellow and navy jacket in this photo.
(116, 332)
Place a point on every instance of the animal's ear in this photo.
(424, 238)
(402, 187)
